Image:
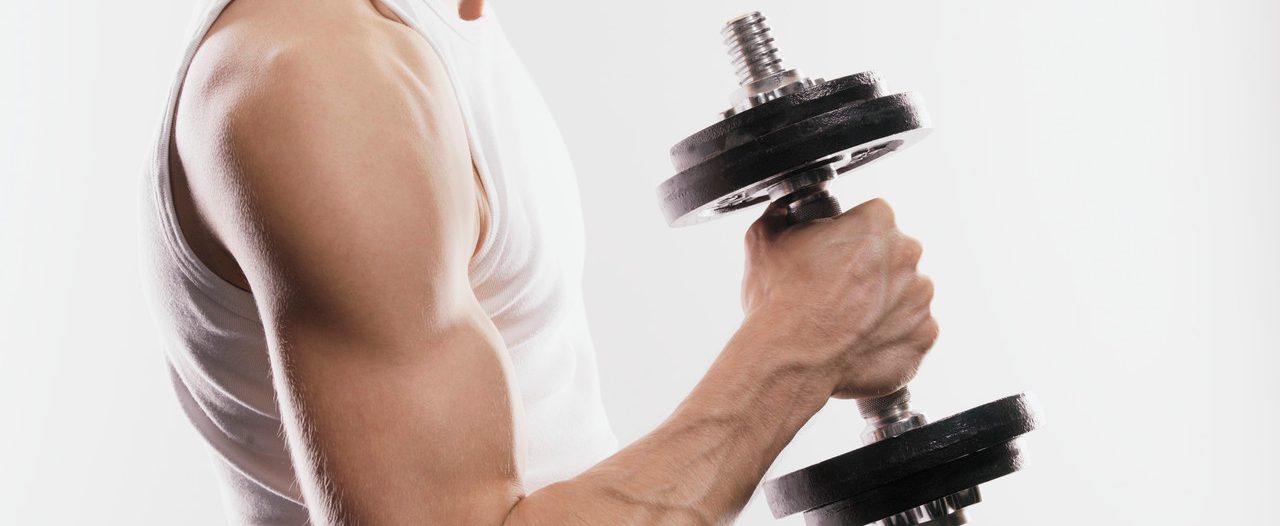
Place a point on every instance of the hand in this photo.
(844, 293)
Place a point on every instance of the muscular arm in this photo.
(337, 174)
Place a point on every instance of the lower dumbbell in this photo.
(784, 139)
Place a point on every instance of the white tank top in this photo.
(526, 274)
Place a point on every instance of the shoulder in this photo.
(324, 62)
(323, 87)
(324, 117)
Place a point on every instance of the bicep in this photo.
(350, 208)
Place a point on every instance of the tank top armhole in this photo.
(207, 281)
(485, 257)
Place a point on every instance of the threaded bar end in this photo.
(752, 49)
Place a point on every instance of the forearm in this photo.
(702, 464)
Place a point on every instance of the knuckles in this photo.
(929, 334)
(925, 289)
(877, 213)
(911, 249)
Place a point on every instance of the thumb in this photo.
(773, 220)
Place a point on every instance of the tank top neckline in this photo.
(469, 31)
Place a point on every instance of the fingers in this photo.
(922, 291)
(925, 335)
(909, 251)
(923, 329)
(910, 289)
(875, 213)
(910, 318)
(904, 321)
(896, 364)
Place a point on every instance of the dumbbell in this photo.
(784, 138)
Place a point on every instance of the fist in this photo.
(844, 294)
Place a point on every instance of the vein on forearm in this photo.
(702, 464)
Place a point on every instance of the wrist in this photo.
(777, 356)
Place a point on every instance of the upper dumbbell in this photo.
(784, 132)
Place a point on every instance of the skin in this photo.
(321, 163)
(470, 9)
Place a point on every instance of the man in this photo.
(365, 252)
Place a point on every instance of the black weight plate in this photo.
(733, 179)
(881, 463)
(744, 127)
(915, 490)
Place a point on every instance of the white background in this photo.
(1098, 206)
